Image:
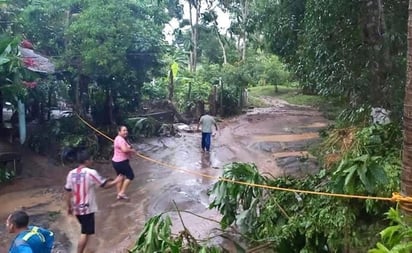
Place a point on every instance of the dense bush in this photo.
(367, 163)
(395, 238)
(62, 135)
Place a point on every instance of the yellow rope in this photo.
(396, 197)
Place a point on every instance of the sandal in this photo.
(122, 196)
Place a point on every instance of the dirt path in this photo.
(275, 138)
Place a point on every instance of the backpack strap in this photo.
(18, 242)
(34, 231)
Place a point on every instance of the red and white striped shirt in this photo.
(81, 182)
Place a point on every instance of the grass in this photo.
(331, 107)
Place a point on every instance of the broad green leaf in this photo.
(4, 60)
(349, 177)
(174, 67)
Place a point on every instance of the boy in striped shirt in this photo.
(81, 198)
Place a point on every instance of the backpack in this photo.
(45, 236)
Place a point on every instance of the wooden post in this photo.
(189, 93)
(171, 85)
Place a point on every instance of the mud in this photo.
(275, 138)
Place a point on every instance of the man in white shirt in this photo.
(206, 121)
(81, 197)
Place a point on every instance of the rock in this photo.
(380, 115)
(167, 130)
(181, 127)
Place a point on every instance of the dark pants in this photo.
(123, 168)
(206, 141)
(87, 223)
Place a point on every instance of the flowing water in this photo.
(275, 138)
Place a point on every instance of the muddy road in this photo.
(275, 138)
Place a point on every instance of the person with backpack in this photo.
(81, 198)
(29, 239)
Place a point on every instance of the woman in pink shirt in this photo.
(122, 152)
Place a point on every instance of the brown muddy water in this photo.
(275, 138)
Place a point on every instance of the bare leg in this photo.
(125, 184)
(119, 186)
(82, 243)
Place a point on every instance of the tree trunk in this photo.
(110, 105)
(221, 96)
(373, 31)
(189, 92)
(245, 13)
(219, 38)
(191, 56)
(406, 176)
(49, 103)
(194, 36)
(171, 85)
(77, 105)
(222, 46)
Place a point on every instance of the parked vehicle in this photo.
(57, 113)
(7, 111)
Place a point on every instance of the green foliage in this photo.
(191, 88)
(6, 174)
(281, 38)
(355, 116)
(67, 132)
(397, 237)
(360, 174)
(238, 202)
(365, 64)
(291, 222)
(111, 47)
(306, 223)
(372, 164)
(11, 71)
(267, 69)
(104, 35)
(157, 236)
(143, 126)
(368, 164)
(156, 89)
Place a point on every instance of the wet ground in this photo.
(276, 138)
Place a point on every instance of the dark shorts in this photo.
(87, 223)
(123, 168)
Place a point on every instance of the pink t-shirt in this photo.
(119, 155)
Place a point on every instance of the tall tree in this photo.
(406, 177)
(280, 22)
(118, 45)
(240, 26)
(194, 18)
(210, 20)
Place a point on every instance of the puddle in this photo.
(293, 154)
(286, 137)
